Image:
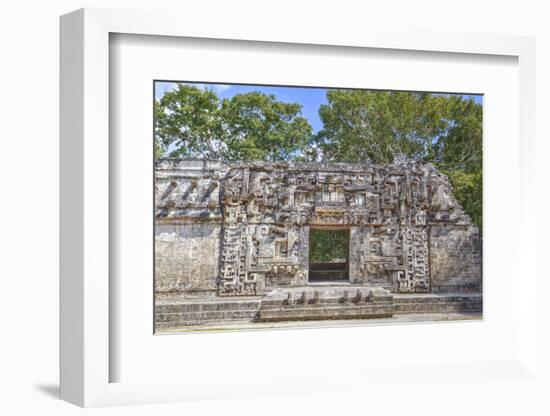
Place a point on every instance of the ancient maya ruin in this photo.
(232, 243)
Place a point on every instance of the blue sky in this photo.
(309, 98)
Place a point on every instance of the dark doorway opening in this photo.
(328, 255)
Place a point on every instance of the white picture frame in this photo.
(86, 355)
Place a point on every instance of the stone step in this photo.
(207, 306)
(323, 312)
(180, 324)
(342, 266)
(327, 275)
(299, 304)
(321, 303)
(438, 303)
(197, 313)
(207, 316)
(428, 298)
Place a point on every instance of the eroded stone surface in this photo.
(318, 303)
(237, 229)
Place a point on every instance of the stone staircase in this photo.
(437, 303)
(322, 303)
(310, 303)
(178, 314)
(328, 272)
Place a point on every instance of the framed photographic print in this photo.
(277, 207)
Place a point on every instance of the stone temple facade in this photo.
(234, 237)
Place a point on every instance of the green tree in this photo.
(459, 154)
(187, 123)
(375, 126)
(468, 190)
(358, 125)
(258, 127)
(328, 245)
(460, 146)
(191, 122)
(363, 125)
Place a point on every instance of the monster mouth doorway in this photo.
(328, 255)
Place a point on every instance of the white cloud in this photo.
(218, 88)
(163, 87)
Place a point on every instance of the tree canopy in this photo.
(445, 130)
(363, 125)
(328, 245)
(358, 125)
(195, 123)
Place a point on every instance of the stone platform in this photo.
(315, 302)
(181, 313)
(321, 303)
(438, 303)
(397, 319)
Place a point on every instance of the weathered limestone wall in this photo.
(188, 226)
(243, 228)
(455, 258)
(357, 238)
(187, 257)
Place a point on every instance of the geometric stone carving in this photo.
(265, 211)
